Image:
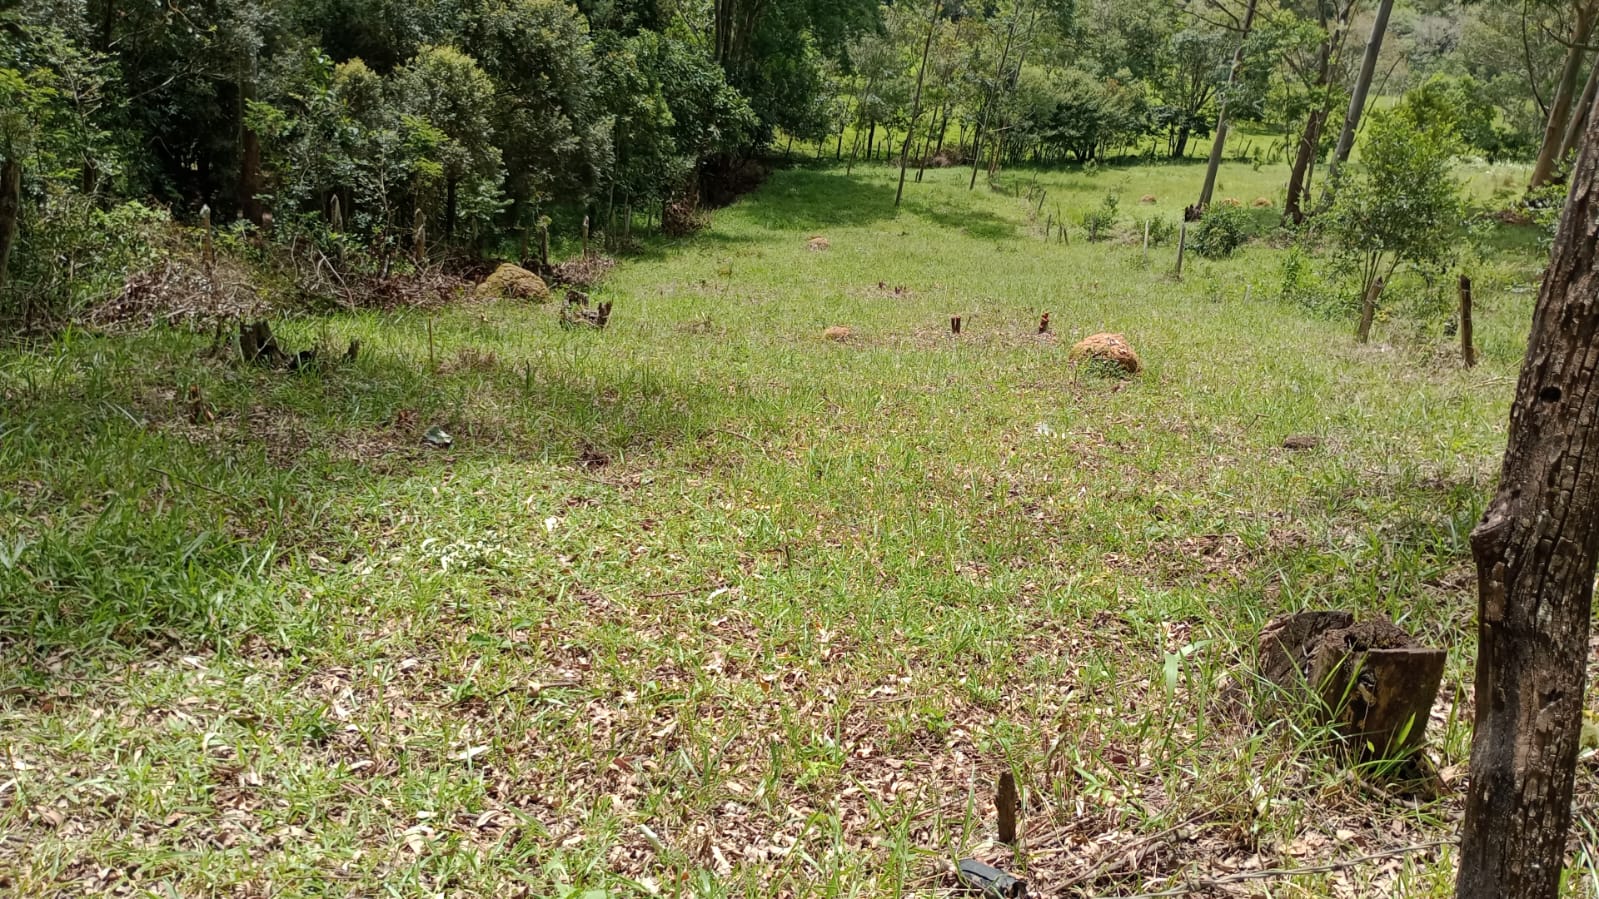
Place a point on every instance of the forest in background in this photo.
(369, 137)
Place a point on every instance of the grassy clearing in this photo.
(708, 605)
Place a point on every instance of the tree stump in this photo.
(256, 344)
(1369, 679)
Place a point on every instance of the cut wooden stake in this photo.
(1182, 244)
(954, 324)
(1043, 324)
(1005, 803)
(430, 344)
(1146, 241)
(208, 251)
(1468, 353)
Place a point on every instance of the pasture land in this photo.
(705, 604)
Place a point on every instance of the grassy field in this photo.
(708, 605)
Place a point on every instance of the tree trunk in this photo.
(1299, 177)
(916, 102)
(449, 209)
(250, 179)
(1220, 143)
(1357, 99)
(1535, 551)
(871, 136)
(1310, 140)
(108, 20)
(1543, 171)
(927, 145)
(10, 212)
(1579, 119)
(992, 98)
(1368, 310)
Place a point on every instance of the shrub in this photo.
(1304, 287)
(1222, 231)
(1161, 230)
(1402, 206)
(1099, 222)
(71, 253)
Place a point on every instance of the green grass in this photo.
(785, 637)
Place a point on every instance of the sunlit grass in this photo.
(706, 604)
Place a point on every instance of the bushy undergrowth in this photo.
(1099, 221)
(1303, 283)
(1161, 230)
(1221, 232)
(72, 253)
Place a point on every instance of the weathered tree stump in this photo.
(1369, 679)
(577, 312)
(256, 344)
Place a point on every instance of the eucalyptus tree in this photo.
(1559, 133)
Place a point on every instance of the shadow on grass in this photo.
(805, 200)
(974, 222)
(140, 520)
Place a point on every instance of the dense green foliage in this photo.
(1222, 231)
(405, 134)
(1403, 206)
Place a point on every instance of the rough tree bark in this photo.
(1535, 551)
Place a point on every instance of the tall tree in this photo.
(1332, 34)
(991, 97)
(1189, 83)
(1584, 14)
(445, 88)
(1357, 97)
(1536, 550)
(916, 101)
(1579, 119)
(1220, 142)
